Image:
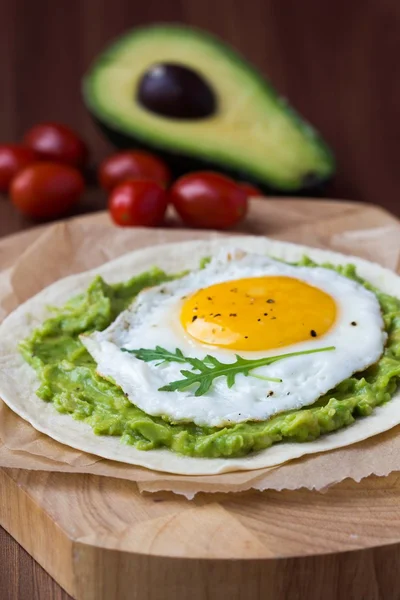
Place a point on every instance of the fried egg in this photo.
(252, 306)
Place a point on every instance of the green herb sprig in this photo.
(158, 353)
(210, 367)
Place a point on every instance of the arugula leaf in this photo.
(210, 367)
(158, 353)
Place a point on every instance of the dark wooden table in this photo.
(21, 578)
(11, 221)
(337, 62)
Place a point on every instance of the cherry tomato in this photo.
(13, 158)
(207, 199)
(138, 203)
(250, 189)
(58, 143)
(46, 190)
(132, 164)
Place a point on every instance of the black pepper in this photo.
(232, 314)
(313, 333)
(353, 323)
(194, 318)
(270, 301)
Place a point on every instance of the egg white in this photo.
(153, 319)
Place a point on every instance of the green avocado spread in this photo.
(68, 379)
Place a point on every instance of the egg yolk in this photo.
(258, 313)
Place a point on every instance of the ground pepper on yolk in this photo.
(296, 312)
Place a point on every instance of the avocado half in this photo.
(245, 129)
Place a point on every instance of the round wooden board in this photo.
(102, 540)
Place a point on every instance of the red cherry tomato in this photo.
(13, 158)
(207, 199)
(138, 203)
(46, 190)
(58, 143)
(250, 189)
(132, 164)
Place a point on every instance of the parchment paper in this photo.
(31, 262)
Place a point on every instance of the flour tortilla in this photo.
(18, 381)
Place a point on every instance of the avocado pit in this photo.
(175, 91)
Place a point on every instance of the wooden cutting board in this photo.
(102, 540)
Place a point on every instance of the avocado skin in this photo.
(181, 164)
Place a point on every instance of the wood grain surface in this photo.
(102, 540)
(21, 578)
(215, 528)
(337, 61)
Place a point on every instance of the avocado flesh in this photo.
(253, 132)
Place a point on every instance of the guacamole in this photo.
(68, 379)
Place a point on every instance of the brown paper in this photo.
(35, 259)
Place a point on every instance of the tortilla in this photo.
(18, 381)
